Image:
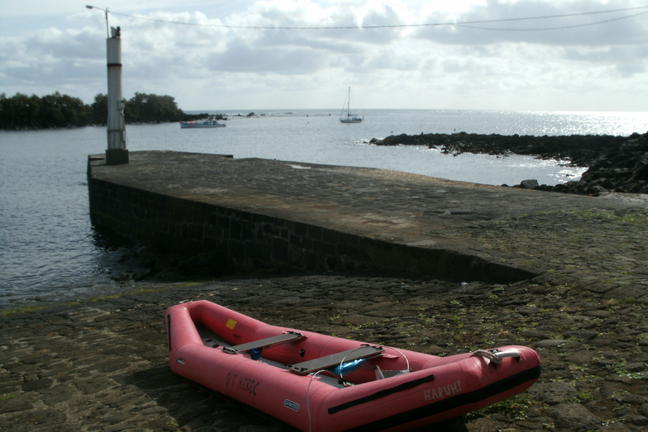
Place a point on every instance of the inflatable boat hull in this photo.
(316, 382)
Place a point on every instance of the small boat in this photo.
(348, 117)
(205, 123)
(316, 382)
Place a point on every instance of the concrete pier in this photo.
(253, 214)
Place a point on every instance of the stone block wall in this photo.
(246, 242)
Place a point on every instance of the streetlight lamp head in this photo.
(106, 11)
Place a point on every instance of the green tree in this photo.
(149, 108)
(75, 112)
(56, 110)
(15, 111)
(52, 114)
(99, 109)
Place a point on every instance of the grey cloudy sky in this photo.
(593, 62)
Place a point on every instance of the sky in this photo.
(206, 55)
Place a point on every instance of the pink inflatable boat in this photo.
(316, 382)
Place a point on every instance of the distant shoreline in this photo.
(59, 111)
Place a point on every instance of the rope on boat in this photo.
(312, 377)
(407, 363)
(308, 411)
(340, 369)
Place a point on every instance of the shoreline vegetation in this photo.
(22, 112)
(615, 163)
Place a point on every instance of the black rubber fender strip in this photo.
(453, 402)
(381, 394)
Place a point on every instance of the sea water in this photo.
(48, 248)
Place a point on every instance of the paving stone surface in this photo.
(100, 363)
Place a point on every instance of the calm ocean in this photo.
(48, 248)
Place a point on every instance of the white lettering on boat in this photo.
(291, 405)
(241, 382)
(442, 391)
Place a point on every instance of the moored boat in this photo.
(347, 116)
(205, 123)
(316, 382)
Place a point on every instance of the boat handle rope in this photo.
(312, 377)
(402, 355)
(495, 355)
(308, 408)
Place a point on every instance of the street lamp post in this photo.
(116, 153)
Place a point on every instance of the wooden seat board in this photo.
(334, 359)
(265, 342)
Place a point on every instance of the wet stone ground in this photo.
(99, 364)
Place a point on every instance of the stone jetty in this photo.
(580, 298)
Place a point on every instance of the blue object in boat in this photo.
(255, 354)
(347, 367)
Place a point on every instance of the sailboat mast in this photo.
(349, 102)
(349, 118)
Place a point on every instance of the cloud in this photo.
(627, 60)
(50, 60)
(588, 29)
(243, 57)
(436, 66)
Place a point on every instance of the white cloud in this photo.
(206, 66)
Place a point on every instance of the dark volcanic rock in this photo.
(529, 184)
(616, 164)
(581, 150)
(625, 169)
(574, 417)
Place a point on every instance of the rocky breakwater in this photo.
(616, 164)
(622, 168)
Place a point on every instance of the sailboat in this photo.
(348, 117)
